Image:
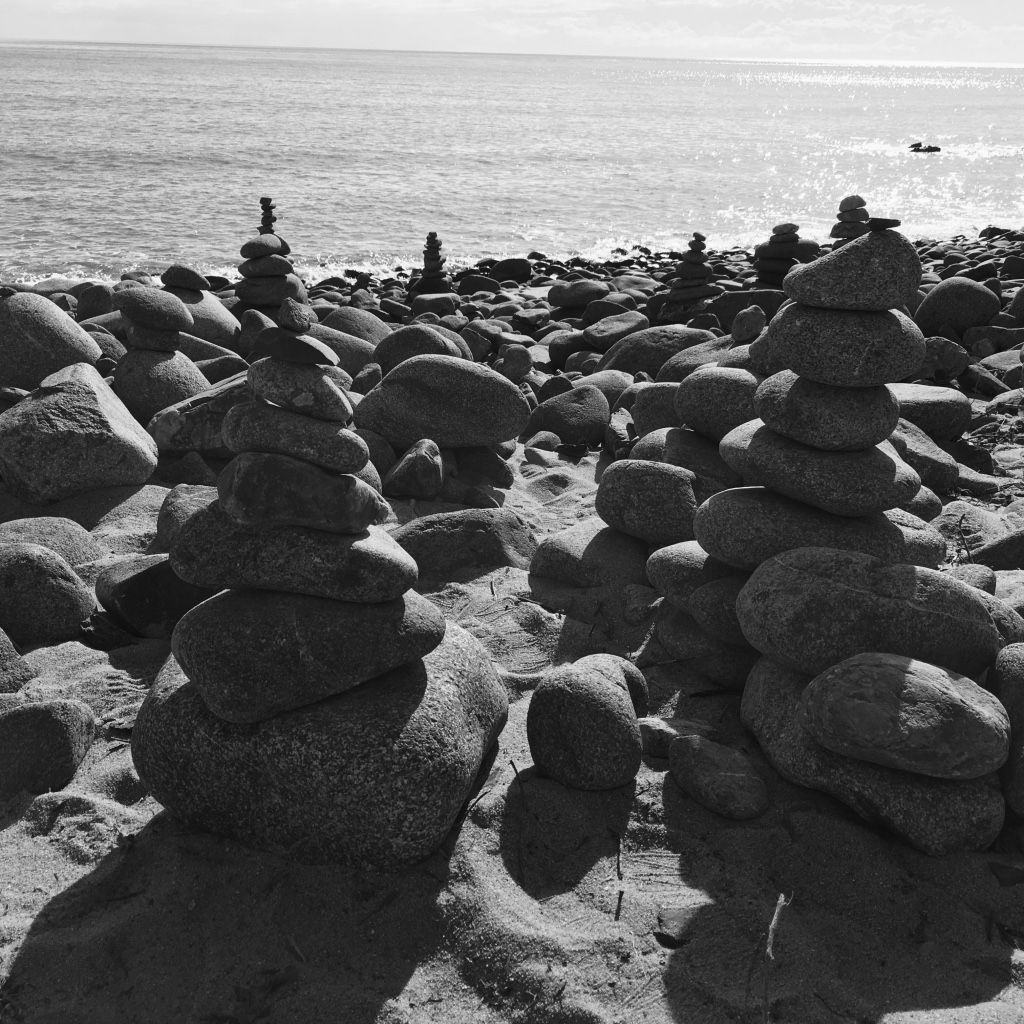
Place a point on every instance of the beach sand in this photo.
(544, 904)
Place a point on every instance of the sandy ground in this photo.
(544, 904)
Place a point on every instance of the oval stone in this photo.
(454, 402)
(718, 778)
(259, 427)
(649, 500)
(907, 714)
(276, 490)
(846, 349)
(942, 413)
(745, 526)
(844, 483)
(825, 416)
(677, 570)
(583, 731)
(317, 391)
(715, 399)
(811, 608)
(408, 749)
(254, 654)
(212, 550)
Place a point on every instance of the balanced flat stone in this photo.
(847, 349)
(844, 483)
(826, 417)
(253, 654)
(879, 270)
(276, 490)
(72, 435)
(745, 526)
(317, 391)
(811, 608)
(259, 427)
(454, 402)
(907, 714)
(152, 307)
(408, 749)
(212, 550)
(148, 381)
(935, 816)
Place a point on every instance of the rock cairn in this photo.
(153, 373)
(268, 276)
(433, 280)
(851, 221)
(818, 457)
(783, 251)
(265, 725)
(694, 279)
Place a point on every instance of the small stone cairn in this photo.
(783, 251)
(433, 280)
(247, 732)
(694, 279)
(268, 277)
(153, 373)
(851, 221)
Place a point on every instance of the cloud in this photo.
(893, 30)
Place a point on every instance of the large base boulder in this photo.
(374, 777)
(937, 816)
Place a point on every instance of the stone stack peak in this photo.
(784, 250)
(268, 276)
(851, 221)
(433, 280)
(694, 279)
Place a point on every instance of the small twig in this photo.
(769, 954)
(618, 852)
(963, 539)
(618, 906)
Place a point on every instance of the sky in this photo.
(935, 31)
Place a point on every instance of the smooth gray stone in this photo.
(212, 550)
(936, 816)
(652, 501)
(408, 748)
(811, 608)
(253, 654)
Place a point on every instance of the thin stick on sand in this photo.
(768, 938)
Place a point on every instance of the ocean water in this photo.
(117, 156)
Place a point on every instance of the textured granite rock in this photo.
(846, 349)
(844, 483)
(42, 599)
(276, 490)
(145, 597)
(938, 470)
(317, 391)
(1006, 681)
(880, 270)
(577, 417)
(958, 303)
(67, 538)
(149, 382)
(652, 501)
(648, 350)
(38, 339)
(583, 731)
(259, 427)
(715, 399)
(374, 777)
(723, 780)
(907, 714)
(194, 425)
(454, 402)
(42, 743)
(824, 416)
(677, 570)
(212, 550)
(942, 413)
(253, 654)
(443, 543)
(936, 816)
(811, 608)
(590, 554)
(72, 435)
